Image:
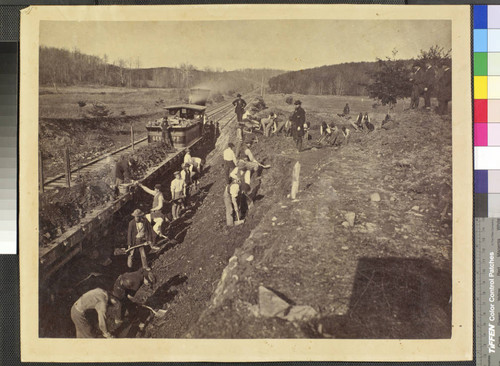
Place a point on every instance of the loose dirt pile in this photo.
(367, 244)
(63, 208)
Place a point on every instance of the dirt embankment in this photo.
(387, 274)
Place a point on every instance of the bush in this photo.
(100, 110)
(82, 103)
(289, 100)
(217, 97)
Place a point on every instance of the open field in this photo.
(133, 102)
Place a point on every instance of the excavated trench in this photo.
(188, 267)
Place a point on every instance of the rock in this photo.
(415, 208)
(250, 258)
(270, 304)
(301, 313)
(345, 224)
(274, 218)
(47, 235)
(375, 197)
(370, 227)
(350, 216)
(393, 199)
(345, 248)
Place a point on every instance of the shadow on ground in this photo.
(393, 298)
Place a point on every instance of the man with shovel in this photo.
(231, 193)
(125, 287)
(140, 234)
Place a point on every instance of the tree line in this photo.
(342, 79)
(360, 78)
(62, 67)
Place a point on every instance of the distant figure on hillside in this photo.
(240, 105)
(443, 89)
(358, 124)
(416, 88)
(298, 118)
(367, 123)
(347, 109)
(267, 124)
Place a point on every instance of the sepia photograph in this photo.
(296, 178)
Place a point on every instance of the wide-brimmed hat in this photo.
(297, 102)
(137, 213)
(185, 165)
(238, 95)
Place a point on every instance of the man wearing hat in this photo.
(140, 234)
(298, 119)
(125, 287)
(240, 105)
(178, 191)
(156, 215)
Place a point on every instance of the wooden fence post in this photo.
(295, 180)
(68, 167)
(132, 134)
(41, 178)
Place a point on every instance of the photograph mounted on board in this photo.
(282, 176)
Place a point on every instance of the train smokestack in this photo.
(198, 96)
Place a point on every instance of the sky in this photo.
(231, 45)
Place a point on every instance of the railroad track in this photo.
(216, 114)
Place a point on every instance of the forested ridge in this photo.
(61, 67)
(342, 79)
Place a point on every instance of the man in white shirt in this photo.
(229, 161)
(231, 192)
(178, 190)
(156, 214)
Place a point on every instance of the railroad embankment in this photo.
(364, 251)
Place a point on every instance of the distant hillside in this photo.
(60, 67)
(342, 79)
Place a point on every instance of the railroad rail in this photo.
(219, 112)
(61, 250)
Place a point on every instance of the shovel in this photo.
(92, 274)
(238, 221)
(159, 314)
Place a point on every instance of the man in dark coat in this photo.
(140, 233)
(444, 89)
(426, 79)
(125, 287)
(298, 119)
(240, 105)
(416, 90)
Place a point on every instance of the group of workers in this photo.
(145, 229)
(143, 232)
(121, 297)
(428, 80)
